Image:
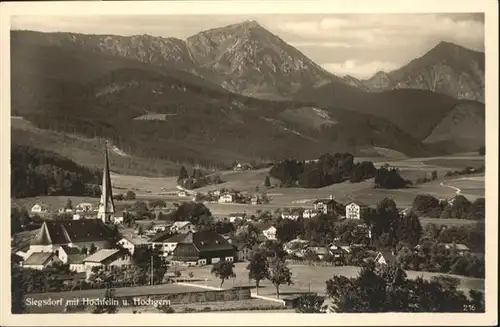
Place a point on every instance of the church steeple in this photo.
(106, 206)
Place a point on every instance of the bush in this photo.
(130, 195)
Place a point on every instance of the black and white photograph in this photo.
(270, 162)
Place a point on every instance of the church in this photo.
(92, 233)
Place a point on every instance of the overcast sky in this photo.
(357, 44)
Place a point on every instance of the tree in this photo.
(389, 179)
(69, 205)
(18, 290)
(258, 268)
(387, 289)
(434, 175)
(409, 229)
(310, 303)
(267, 182)
(223, 270)
(130, 195)
(426, 205)
(140, 230)
(109, 304)
(279, 274)
(93, 249)
(183, 174)
(15, 222)
(288, 229)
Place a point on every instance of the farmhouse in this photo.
(308, 213)
(84, 207)
(71, 256)
(325, 206)
(133, 242)
(243, 252)
(182, 227)
(294, 214)
(40, 260)
(236, 216)
(226, 198)
(40, 208)
(106, 258)
(73, 233)
(458, 247)
(385, 257)
(270, 233)
(355, 210)
(205, 247)
(165, 242)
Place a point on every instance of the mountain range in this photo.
(235, 93)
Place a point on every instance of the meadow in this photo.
(309, 278)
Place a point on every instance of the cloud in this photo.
(358, 69)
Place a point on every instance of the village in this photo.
(78, 245)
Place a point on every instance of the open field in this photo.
(448, 221)
(310, 278)
(457, 163)
(148, 188)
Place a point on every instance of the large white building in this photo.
(353, 211)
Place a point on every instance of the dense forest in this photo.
(36, 172)
(327, 170)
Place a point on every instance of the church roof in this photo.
(72, 231)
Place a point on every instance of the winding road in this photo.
(457, 190)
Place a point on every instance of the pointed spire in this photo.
(106, 206)
(43, 236)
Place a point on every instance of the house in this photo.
(82, 234)
(159, 228)
(226, 198)
(338, 251)
(255, 199)
(118, 220)
(319, 251)
(385, 257)
(164, 242)
(84, 207)
(236, 216)
(292, 215)
(295, 246)
(133, 242)
(308, 213)
(354, 210)
(65, 210)
(325, 206)
(182, 227)
(206, 247)
(243, 252)
(182, 193)
(71, 256)
(458, 247)
(40, 208)
(106, 258)
(270, 233)
(40, 260)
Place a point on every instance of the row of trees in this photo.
(461, 208)
(388, 289)
(197, 179)
(328, 169)
(36, 172)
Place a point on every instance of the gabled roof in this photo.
(388, 256)
(206, 241)
(180, 224)
(72, 231)
(38, 258)
(102, 255)
(161, 237)
(178, 238)
(136, 239)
